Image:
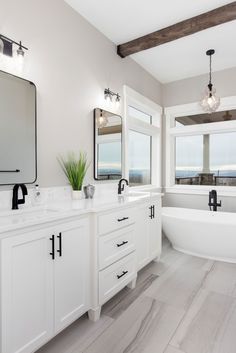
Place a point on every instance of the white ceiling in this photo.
(125, 20)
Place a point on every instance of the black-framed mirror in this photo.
(107, 145)
(18, 131)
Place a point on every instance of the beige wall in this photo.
(71, 63)
(191, 90)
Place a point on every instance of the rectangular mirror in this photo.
(107, 145)
(17, 130)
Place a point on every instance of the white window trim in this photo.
(138, 101)
(227, 103)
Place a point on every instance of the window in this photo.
(143, 138)
(135, 113)
(189, 159)
(223, 158)
(208, 159)
(140, 146)
(201, 148)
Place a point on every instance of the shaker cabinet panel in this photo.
(148, 232)
(71, 273)
(27, 292)
(116, 277)
(114, 246)
(155, 231)
(142, 228)
(109, 222)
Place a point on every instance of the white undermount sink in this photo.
(25, 215)
(135, 194)
(27, 211)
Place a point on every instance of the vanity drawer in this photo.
(116, 277)
(114, 246)
(115, 220)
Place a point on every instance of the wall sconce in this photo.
(6, 49)
(108, 94)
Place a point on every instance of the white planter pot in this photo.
(77, 194)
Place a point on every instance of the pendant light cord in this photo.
(210, 52)
(210, 75)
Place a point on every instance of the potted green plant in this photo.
(75, 169)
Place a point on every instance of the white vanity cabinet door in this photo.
(26, 292)
(148, 233)
(142, 231)
(155, 231)
(72, 272)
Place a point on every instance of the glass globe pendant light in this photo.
(210, 103)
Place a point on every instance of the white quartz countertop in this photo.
(11, 220)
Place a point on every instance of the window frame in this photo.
(170, 113)
(139, 102)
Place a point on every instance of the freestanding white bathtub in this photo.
(201, 233)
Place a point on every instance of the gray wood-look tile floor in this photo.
(183, 304)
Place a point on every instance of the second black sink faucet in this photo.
(121, 185)
(15, 197)
(213, 200)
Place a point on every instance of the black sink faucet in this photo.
(213, 200)
(121, 185)
(15, 200)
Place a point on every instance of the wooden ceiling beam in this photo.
(185, 28)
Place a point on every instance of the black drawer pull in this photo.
(53, 247)
(121, 244)
(153, 211)
(122, 219)
(123, 274)
(60, 244)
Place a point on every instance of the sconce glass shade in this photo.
(20, 52)
(20, 60)
(108, 94)
(102, 121)
(210, 102)
(1, 46)
(1, 54)
(117, 98)
(20, 57)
